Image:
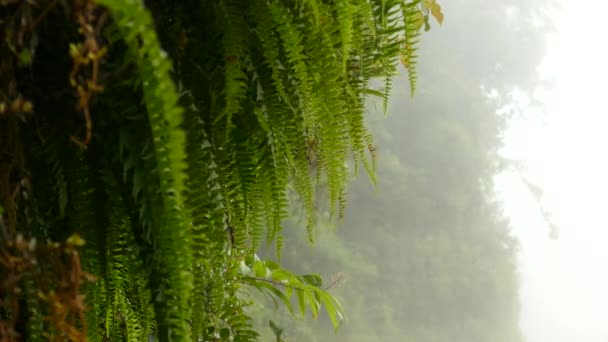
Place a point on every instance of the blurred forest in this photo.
(427, 254)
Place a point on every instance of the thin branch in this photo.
(336, 280)
(273, 282)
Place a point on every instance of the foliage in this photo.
(266, 276)
(168, 135)
(426, 254)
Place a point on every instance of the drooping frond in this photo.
(234, 37)
(412, 17)
(172, 190)
(172, 238)
(345, 15)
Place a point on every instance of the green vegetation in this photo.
(162, 142)
(427, 254)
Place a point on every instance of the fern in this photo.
(35, 325)
(292, 37)
(86, 199)
(205, 201)
(345, 13)
(412, 32)
(175, 190)
(234, 36)
(172, 234)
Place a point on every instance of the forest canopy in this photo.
(148, 150)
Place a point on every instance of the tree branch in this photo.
(273, 282)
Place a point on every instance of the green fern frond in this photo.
(126, 290)
(332, 141)
(35, 325)
(411, 14)
(269, 40)
(365, 14)
(60, 184)
(250, 178)
(88, 204)
(206, 202)
(388, 87)
(241, 326)
(172, 239)
(285, 137)
(292, 38)
(234, 38)
(346, 12)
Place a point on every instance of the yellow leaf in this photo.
(76, 240)
(435, 10)
(405, 56)
(405, 61)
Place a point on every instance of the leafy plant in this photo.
(280, 284)
(168, 136)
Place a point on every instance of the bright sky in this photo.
(565, 282)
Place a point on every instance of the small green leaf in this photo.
(301, 301)
(313, 302)
(279, 294)
(282, 275)
(333, 308)
(313, 279)
(25, 58)
(225, 334)
(259, 269)
(373, 92)
(271, 265)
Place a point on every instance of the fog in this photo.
(487, 220)
(564, 282)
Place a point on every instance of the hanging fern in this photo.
(411, 17)
(170, 279)
(201, 121)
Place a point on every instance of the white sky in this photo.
(564, 286)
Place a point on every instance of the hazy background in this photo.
(504, 138)
(564, 282)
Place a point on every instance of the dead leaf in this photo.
(435, 10)
(404, 56)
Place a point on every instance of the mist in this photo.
(563, 282)
(486, 221)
